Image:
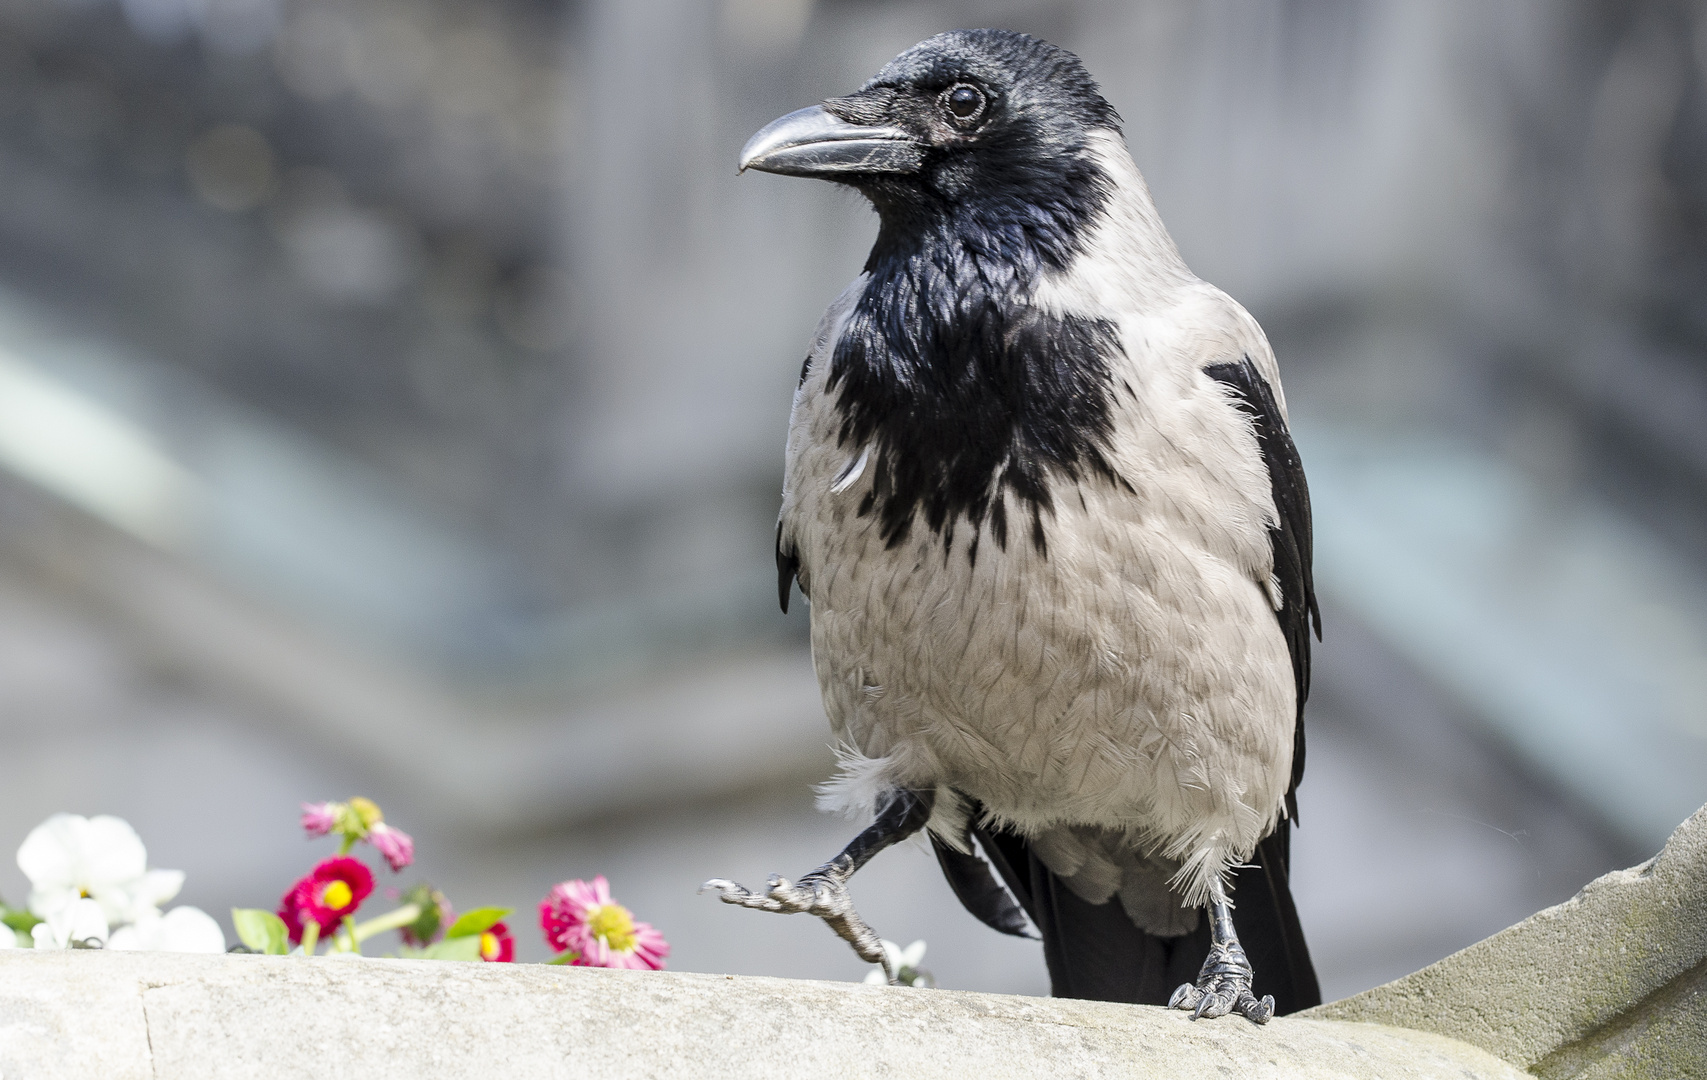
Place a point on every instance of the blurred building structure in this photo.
(392, 396)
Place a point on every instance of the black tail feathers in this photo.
(1095, 951)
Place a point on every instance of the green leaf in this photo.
(477, 922)
(21, 921)
(261, 930)
(457, 948)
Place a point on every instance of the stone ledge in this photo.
(120, 1016)
(1610, 984)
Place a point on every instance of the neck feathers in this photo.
(974, 401)
(1127, 261)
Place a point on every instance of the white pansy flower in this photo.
(8, 937)
(70, 857)
(904, 962)
(183, 929)
(78, 921)
(145, 895)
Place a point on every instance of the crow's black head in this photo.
(990, 121)
(984, 152)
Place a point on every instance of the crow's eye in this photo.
(964, 101)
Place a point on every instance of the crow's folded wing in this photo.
(1289, 537)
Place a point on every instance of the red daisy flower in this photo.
(497, 944)
(332, 890)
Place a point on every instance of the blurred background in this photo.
(392, 396)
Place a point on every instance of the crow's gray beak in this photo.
(814, 142)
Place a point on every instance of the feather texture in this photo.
(1040, 490)
(1126, 671)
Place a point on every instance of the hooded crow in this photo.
(1040, 493)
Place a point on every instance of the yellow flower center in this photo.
(336, 894)
(489, 946)
(612, 924)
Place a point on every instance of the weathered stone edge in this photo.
(1621, 967)
(136, 1015)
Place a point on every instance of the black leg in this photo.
(824, 891)
(1224, 983)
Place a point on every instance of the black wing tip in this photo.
(787, 570)
(980, 893)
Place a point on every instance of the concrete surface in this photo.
(1610, 984)
(120, 1016)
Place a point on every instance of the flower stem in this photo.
(354, 942)
(565, 958)
(346, 844)
(391, 920)
(310, 937)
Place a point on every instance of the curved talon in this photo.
(1219, 996)
(731, 892)
(1211, 1006)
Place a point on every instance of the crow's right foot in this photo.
(1223, 986)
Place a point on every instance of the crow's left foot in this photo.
(1223, 986)
(824, 893)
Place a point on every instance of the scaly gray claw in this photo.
(1223, 986)
(1257, 1012)
(821, 893)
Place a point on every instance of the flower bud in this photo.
(435, 915)
(367, 812)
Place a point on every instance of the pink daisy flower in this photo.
(580, 917)
(332, 890)
(319, 818)
(395, 844)
(497, 944)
